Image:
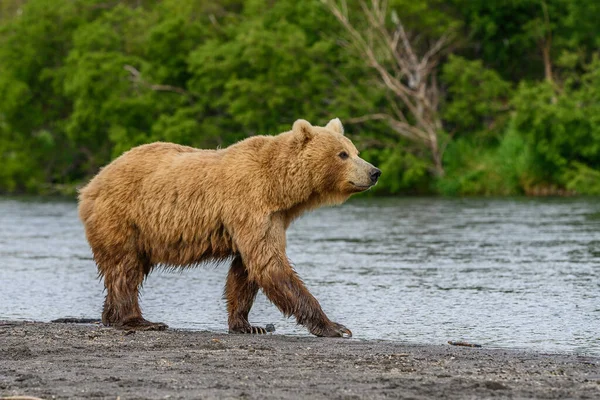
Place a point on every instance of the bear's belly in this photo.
(216, 245)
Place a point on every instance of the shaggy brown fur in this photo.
(171, 205)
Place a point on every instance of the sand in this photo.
(52, 360)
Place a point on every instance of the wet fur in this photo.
(164, 204)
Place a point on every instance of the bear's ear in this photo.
(335, 125)
(303, 128)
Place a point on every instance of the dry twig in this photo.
(410, 78)
(136, 77)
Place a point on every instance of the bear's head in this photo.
(335, 169)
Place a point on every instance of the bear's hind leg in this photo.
(240, 294)
(122, 282)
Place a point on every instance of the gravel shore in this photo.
(51, 360)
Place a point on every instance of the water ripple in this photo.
(504, 273)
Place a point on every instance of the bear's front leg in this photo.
(268, 266)
(286, 290)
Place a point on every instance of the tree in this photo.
(407, 72)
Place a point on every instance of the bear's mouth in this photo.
(360, 188)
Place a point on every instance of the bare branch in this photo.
(437, 47)
(404, 129)
(369, 117)
(395, 108)
(136, 76)
(409, 79)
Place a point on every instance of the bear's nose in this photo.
(375, 174)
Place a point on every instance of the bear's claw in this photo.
(258, 330)
(158, 326)
(346, 332)
(253, 330)
(334, 330)
(141, 325)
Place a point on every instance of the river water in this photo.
(509, 273)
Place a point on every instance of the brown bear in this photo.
(164, 204)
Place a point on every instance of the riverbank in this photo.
(50, 360)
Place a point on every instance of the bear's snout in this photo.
(375, 174)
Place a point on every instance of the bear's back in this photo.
(120, 183)
(131, 167)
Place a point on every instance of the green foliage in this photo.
(477, 96)
(582, 179)
(82, 81)
(506, 35)
(402, 172)
(562, 128)
(500, 170)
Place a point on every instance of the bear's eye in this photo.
(343, 155)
